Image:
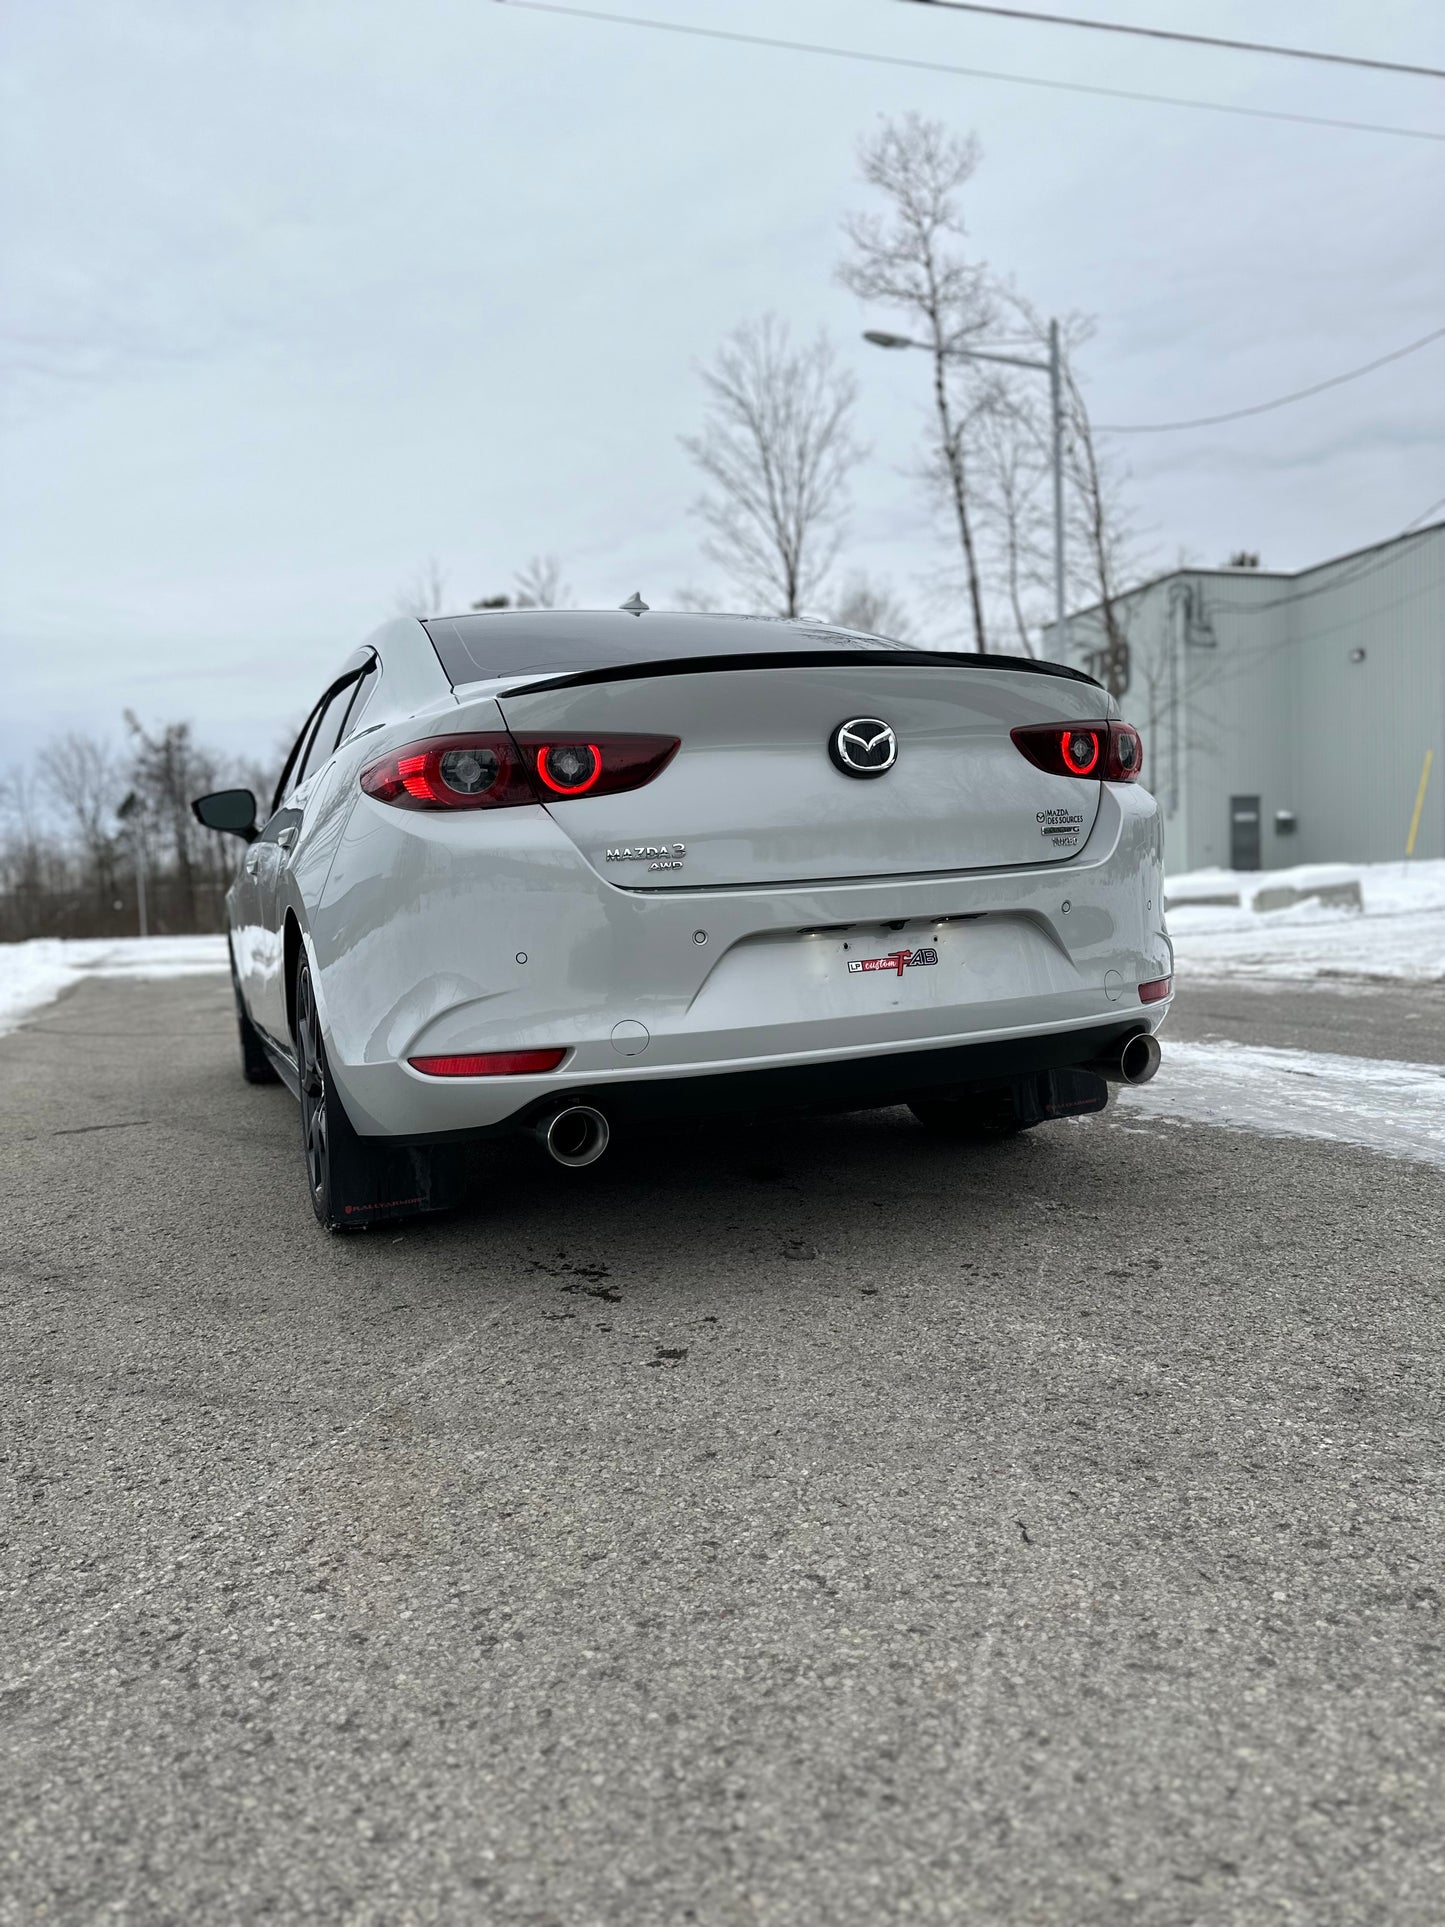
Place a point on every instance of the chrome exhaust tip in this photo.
(576, 1136)
(1133, 1062)
(1139, 1059)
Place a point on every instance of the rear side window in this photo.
(360, 697)
(324, 735)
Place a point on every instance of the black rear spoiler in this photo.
(799, 659)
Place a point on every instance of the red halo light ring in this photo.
(539, 758)
(1066, 749)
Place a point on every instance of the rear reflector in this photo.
(1156, 992)
(501, 1063)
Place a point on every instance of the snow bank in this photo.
(1398, 935)
(1396, 1110)
(31, 974)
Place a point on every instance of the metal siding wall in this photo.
(1277, 710)
(1367, 725)
(1238, 729)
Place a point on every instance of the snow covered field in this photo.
(1398, 936)
(32, 974)
(1395, 1110)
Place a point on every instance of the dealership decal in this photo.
(896, 960)
(1062, 827)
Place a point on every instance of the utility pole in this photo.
(1054, 369)
(1056, 397)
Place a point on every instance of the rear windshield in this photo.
(527, 642)
(576, 642)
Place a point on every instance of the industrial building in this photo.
(1288, 718)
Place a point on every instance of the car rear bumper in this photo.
(394, 1100)
(677, 1001)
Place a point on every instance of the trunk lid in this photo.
(755, 794)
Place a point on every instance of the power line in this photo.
(1424, 515)
(969, 73)
(1383, 555)
(1190, 39)
(1264, 407)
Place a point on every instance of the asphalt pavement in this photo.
(816, 1523)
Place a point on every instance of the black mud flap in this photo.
(381, 1180)
(1065, 1093)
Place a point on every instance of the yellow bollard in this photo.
(1419, 803)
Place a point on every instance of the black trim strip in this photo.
(856, 1084)
(793, 659)
(283, 1066)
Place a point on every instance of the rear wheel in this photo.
(353, 1181)
(978, 1120)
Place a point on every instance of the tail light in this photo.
(1107, 752)
(600, 768)
(495, 770)
(1156, 992)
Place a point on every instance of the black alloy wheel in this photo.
(354, 1181)
(315, 1124)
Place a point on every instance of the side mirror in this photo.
(233, 811)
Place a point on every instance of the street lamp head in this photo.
(882, 340)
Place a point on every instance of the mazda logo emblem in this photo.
(863, 746)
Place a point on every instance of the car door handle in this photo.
(287, 836)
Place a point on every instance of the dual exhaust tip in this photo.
(576, 1136)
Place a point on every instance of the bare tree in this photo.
(540, 584)
(1011, 461)
(1099, 524)
(911, 260)
(167, 770)
(777, 445)
(1014, 440)
(425, 594)
(873, 608)
(83, 780)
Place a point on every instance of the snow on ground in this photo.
(1399, 935)
(33, 973)
(1397, 1110)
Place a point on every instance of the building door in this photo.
(1244, 832)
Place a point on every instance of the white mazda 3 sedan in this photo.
(557, 871)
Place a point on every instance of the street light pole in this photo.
(1054, 369)
(1056, 397)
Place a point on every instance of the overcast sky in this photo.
(296, 296)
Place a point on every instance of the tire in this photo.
(353, 1181)
(256, 1065)
(987, 1118)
